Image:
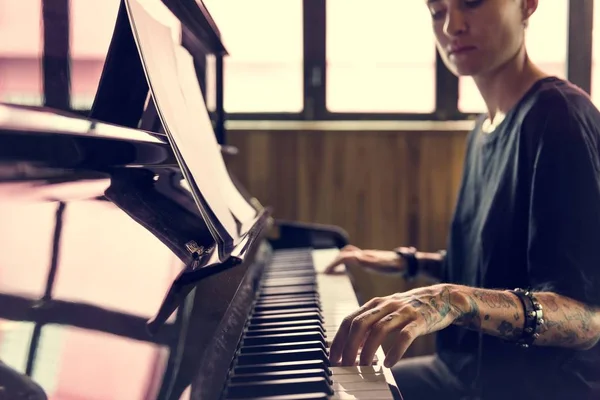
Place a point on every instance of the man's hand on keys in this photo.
(404, 316)
(382, 260)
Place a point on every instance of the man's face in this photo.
(475, 37)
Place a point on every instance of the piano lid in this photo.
(47, 138)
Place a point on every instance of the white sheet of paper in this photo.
(156, 47)
(203, 127)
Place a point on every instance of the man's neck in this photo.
(504, 87)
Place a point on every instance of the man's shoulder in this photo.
(559, 112)
(557, 102)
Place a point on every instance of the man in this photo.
(527, 216)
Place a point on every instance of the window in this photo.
(380, 58)
(264, 69)
(549, 25)
(596, 56)
(21, 47)
(92, 25)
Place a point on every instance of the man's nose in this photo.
(455, 23)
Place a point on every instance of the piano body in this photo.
(103, 290)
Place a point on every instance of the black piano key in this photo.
(288, 290)
(297, 256)
(282, 366)
(290, 269)
(283, 270)
(278, 387)
(265, 348)
(284, 277)
(301, 287)
(287, 299)
(286, 329)
(286, 306)
(291, 266)
(296, 274)
(273, 375)
(262, 313)
(300, 253)
(284, 338)
(282, 262)
(269, 325)
(287, 278)
(282, 356)
(288, 317)
(287, 283)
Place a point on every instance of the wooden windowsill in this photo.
(352, 126)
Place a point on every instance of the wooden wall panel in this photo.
(385, 188)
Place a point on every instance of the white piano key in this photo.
(358, 370)
(363, 395)
(358, 385)
(350, 378)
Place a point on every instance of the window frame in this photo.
(56, 58)
(579, 70)
(579, 47)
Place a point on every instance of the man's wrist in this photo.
(460, 300)
(409, 263)
(429, 263)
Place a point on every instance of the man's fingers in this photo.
(331, 268)
(359, 330)
(402, 341)
(346, 255)
(339, 341)
(380, 330)
(340, 260)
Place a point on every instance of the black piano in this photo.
(110, 285)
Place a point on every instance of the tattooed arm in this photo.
(568, 323)
(408, 315)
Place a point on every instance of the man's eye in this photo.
(473, 3)
(437, 14)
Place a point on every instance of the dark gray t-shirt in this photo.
(528, 215)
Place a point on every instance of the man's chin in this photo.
(464, 69)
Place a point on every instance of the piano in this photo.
(108, 287)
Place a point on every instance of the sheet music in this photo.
(157, 51)
(203, 126)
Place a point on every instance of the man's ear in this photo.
(528, 8)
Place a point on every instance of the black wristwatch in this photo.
(409, 254)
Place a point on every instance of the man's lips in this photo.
(455, 50)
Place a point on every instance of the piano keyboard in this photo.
(283, 354)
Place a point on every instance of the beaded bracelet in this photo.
(534, 317)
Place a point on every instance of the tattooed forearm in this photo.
(471, 317)
(568, 323)
(496, 299)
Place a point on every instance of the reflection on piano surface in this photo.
(96, 226)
